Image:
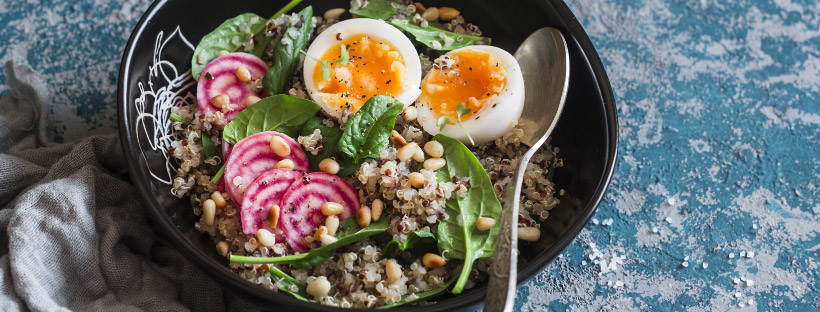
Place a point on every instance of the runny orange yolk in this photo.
(375, 68)
(474, 78)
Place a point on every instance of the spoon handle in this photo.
(504, 271)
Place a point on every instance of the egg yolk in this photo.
(375, 68)
(471, 77)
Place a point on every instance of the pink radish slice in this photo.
(263, 193)
(226, 149)
(252, 156)
(301, 206)
(219, 77)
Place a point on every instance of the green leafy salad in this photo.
(356, 158)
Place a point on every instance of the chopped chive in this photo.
(286, 8)
(178, 118)
(218, 175)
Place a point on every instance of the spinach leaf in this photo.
(230, 37)
(211, 151)
(282, 113)
(458, 237)
(431, 36)
(367, 132)
(417, 244)
(286, 54)
(330, 147)
(286, 281)
(419, 297)
(349, 232)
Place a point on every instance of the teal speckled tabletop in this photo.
(714, 203)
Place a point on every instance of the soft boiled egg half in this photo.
(487, 80)
(382, 61)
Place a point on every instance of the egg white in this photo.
(379, 30)
(490, 122)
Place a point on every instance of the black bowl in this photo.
(152, 76)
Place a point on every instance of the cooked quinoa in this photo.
(357, 272)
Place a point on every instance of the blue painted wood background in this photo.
(714, 204)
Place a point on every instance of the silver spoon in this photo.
(544, 61)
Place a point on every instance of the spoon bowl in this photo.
(544, 62)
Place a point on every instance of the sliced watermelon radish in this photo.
(252, 156)
(226, 149)
(219, 77)
(301, 206)
(264, 192)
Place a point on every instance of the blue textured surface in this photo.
(718, 105)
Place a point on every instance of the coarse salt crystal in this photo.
(705, 265)
(736, 280)
(654, 229)
(737, 295)
(731, 255)
(619, 284)
(751, 301)
(594, 221)
(668, 220)
(754, 226)
(741, 304)
(750, 254)
(685, 264)
(686, 258)
(670, 200)
(750, 283)
(584, 262)
(743, 253)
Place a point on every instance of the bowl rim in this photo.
(230, 281)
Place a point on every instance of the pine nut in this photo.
(433, 261)
(431, 14)
(279, 146)
(434, 149)
(218, 200)
(222, 248)
(265, 237)
(329, 165)
(363, 216)
(484, 223)
(223, 53)
(273, 216)
(319, 287)
(284, 164)
(332, 225)
(447, 14)
(530, 234)
(410, 113)
(326, 239)
(252, 100)
(332, 209)
(208, 211)
(393, 270)
(406, 152)
(243, 74)
(397, 139)
(321, 230)
(434, 164)
(220, 101)
(416, 179)
(418, 156)
(376, 209)
(333, 13)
